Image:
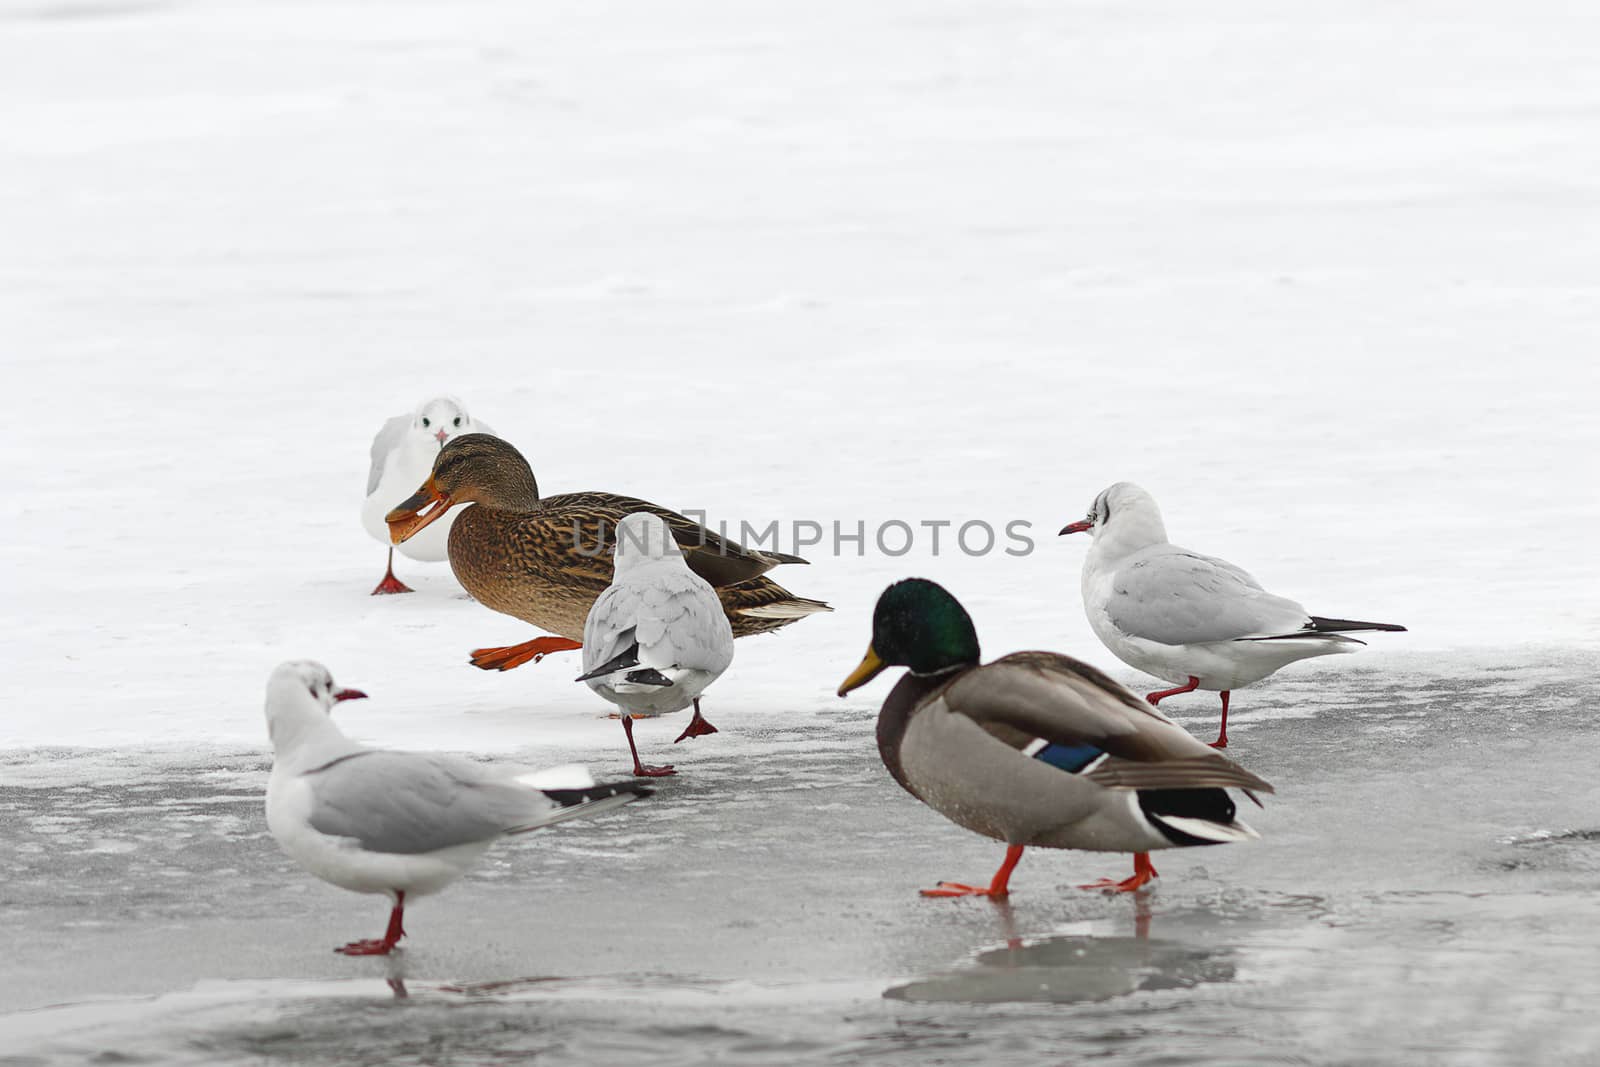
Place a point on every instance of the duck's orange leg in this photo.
(698, 727)
(999, 885)
(1143, 872)
(509, 656)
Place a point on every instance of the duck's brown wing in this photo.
(717, 559)
(547, 567)
(761, 605)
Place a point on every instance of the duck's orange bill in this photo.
(870, 666)
(416, 511)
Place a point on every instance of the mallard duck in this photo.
(657, 637)
(402, 824)
(1037, 749)
(545, 560)
(402, 455)
(1194, 620)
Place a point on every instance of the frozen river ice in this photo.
(1323, 280)
(1424, 893)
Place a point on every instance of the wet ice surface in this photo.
(1424, 892)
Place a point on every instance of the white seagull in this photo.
(658, 636)
(1194, 620)
(402, 458)
(403, 824)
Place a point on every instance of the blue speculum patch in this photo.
(1070, 758)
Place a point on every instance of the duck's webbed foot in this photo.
(507, 657)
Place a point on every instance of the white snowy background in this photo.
(1323, 279)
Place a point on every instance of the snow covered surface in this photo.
(1324, 281)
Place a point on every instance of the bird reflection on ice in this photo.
(1074, 969)
(1067, 970)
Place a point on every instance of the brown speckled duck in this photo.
(545, 560)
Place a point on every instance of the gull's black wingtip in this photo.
(569, 797)
(1321, 625)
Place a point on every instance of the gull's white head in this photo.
(644, 538)
(1123, 515)
(301, 694)
(442, 418)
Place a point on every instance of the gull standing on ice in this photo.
(402, 455)
(1194, 620)
(403, 824)
(658, 636)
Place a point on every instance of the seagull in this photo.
(403, 824)
(1194, 620)
(657, 637)
(402, 456)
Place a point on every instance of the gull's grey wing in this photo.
(672, 613)
(406, 802)
(608, 629)
(1179, 597)
(388, 438)
(684, 625)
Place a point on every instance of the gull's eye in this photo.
(425, 422)
(458, 420)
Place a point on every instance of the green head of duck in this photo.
(917, 624)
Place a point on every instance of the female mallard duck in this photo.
(1037, 749)
(546, 560)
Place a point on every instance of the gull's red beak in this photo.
(441, 435)
(1080, 526)
(348, 694)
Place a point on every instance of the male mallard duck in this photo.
(658, 637)
(1037, 749)
(1194, 620)
(546, 560)
(402, 455)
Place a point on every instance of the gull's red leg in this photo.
(1222, 737)
(390, 583)
(1156, 698)
(1143, 872)
(639, 769)
(697, 727)
(506, 657)
(391, 937)
(999, 885)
